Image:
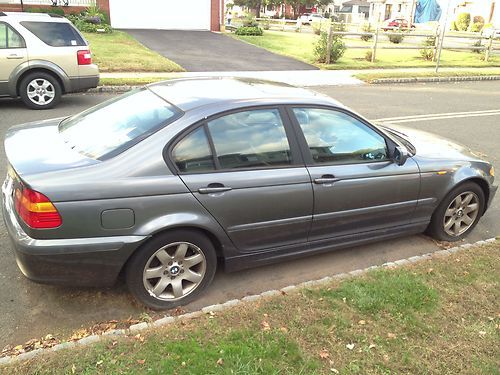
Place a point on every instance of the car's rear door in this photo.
(357, 188)
(245, 168)
(13, 53)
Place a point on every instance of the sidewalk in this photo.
(302, 78)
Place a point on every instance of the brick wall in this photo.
(215, 17)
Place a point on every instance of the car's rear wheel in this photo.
(40, 90)
(458, 213)
(172, 269)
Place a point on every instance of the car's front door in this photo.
(245, 169)
(357, 188)
(13, 52)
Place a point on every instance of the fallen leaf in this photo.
(98, 363)
(141, 361)
(265, 326)
(284, 329)
(362, 322)
(323, 354)
(18, 347)
(350, 346)
(73, 369)
(372, 346)
(183, 364)
(344, 300)
(430, 270)
(220, 361)
(386, 358)
(335, 371)
(482, 333)
(391, 335)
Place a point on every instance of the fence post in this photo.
(375, 41)
(436, 41)
(488, 51)
(329, 43)
(284, 22)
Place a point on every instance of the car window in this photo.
(335, 137)
(55, 34)
(250, 139)
(9, 38)
(193, 154)
(113, 126)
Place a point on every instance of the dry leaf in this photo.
(183, 364)
(98, 363)
(430, 270)
(362, 322)
(334, 370)
(220, 361)
(141, 361)
(73, 369)
(391, 335)
(350, 346)
(386, 358)
(372, 346)
(265, 326)
(482, 333)
(284, 329)
(323, 354)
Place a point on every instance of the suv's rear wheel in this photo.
(40, 90)
(172, 269)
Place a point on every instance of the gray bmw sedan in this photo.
(169, 181)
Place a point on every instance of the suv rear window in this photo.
(55, 34)
(112, 127)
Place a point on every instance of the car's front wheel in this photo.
(172, 269)
(458, 213)
(40, 90)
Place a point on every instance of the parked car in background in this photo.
(42, 57)
(397, 24)
(166, 182)
(308, 18)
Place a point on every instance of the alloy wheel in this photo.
(461, 213)
(40, 91)
(174, 271)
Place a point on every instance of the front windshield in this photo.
(111, 127)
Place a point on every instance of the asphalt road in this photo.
(29, 310)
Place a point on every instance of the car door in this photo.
(13, 52)
(357, 188)
(245, 168)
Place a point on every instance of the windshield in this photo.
(110, 128)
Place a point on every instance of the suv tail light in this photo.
(84, 57)
(36, 210)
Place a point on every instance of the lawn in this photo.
(301, 47)
(440, 316)
(395, 73)
(119, 52)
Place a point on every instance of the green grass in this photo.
(130, 81)
(372, 76)
(119, 52)
(301, 47)
(439, 316)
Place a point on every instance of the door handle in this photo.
(214, 188)
(326, 179)
(13, 56)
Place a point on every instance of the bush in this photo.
(476, 27)
(430, 41)
(366, 28)
(250, 21)
(321, 48)
(397, 37)
(266, 24)
(478, 19)
(478, 43)
(92, 20)
(463, 21)
(427, 54)
(369, 55)
(249, 30)
(53, 10)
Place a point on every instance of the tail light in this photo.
(36, 210)
(84, 57)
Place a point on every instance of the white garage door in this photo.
(160, 14)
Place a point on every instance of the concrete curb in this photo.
(435, 79)
(167, 320)
(112, 89)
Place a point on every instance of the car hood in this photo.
(431, 146)
(37, 147)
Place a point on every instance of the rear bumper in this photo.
(72, 262)
(493, 191)
(82, 83)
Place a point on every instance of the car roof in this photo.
(190, 93)
(25, 16)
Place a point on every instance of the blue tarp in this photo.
(427, 10)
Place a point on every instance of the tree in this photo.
(252, 4)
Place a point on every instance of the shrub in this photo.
(250, 21)
(476, 27)
(91, 20)
(478, 19)
(463, 21)
(369, 55)
(366, 28)
(321, 48)
(427, 54)
(430, 41)
(316, 28)
(54, 10)
(249, 30)
(453, 26)
(397, 37)
(266, 24)
(478, 43)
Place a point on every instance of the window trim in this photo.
(306, 153)
(295, 152)
(9, 27)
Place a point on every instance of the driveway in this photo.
(29, 310)
(204, 51)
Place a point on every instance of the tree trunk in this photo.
(22, 6)
(257, 9)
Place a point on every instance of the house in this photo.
(354, 11)
(381, 10)
(144, 14)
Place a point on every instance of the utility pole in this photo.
(441, 38)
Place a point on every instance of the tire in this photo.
(454, 207)
(40, 90)
(170, 281)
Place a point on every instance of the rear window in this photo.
(110, 128)
(55, 34)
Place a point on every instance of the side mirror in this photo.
(400, 155)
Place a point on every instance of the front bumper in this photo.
(72, 262)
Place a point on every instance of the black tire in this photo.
(136, 266)
(436, 227)
(54, 91)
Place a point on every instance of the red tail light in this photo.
(84, 57)
(36, 210)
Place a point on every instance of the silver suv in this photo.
(43, 56)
